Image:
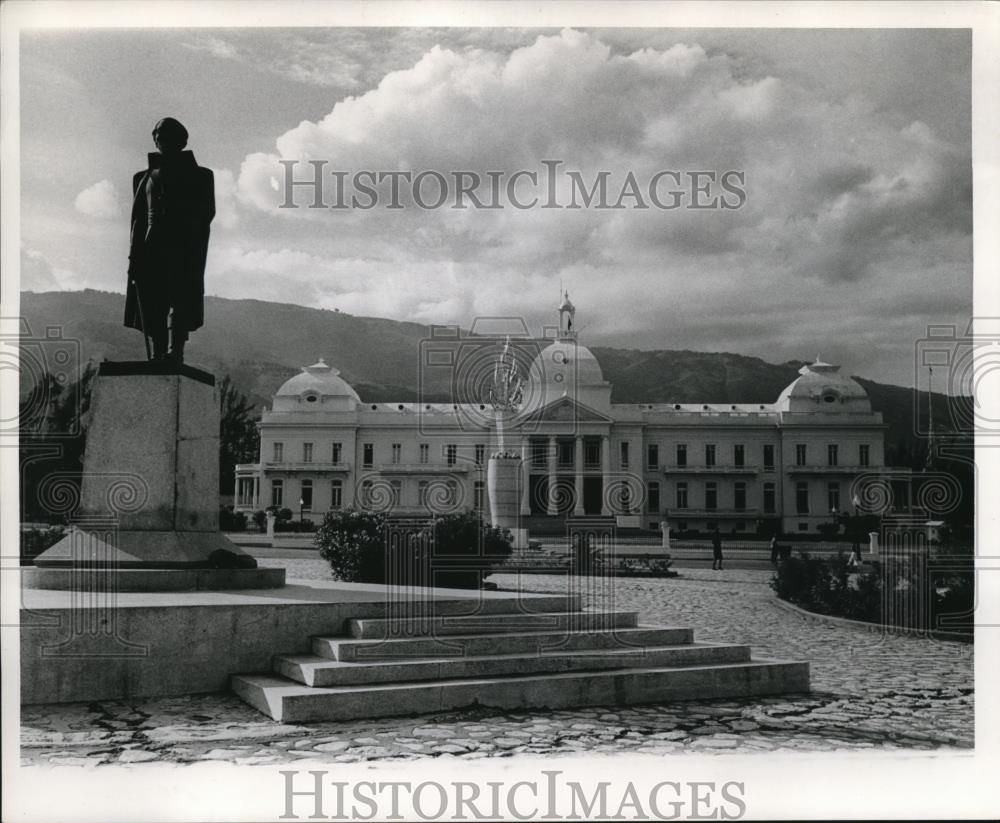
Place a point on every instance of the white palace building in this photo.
(693, 465)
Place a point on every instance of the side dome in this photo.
(821, 388)
(318, 387)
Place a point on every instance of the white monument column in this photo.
(553, 456)
(605, 473)
(578, 480)
(525, 477)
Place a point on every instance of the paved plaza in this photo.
(870, 692)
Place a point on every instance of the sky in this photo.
(855, 144)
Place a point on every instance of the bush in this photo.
(230, 521)
(352, 542)
(452, 550)
(828, 529)
(463, 547)
(260, 520)
(895, 593)
(283, 515)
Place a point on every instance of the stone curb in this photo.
(870, 627)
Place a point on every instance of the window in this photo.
(368, 455)
(710, 454)
(539, 455)
(277, 492)
(336, 494)
(566, 454)
(451, 452)
(740, 496)
(769, 507)
(307, 452)
(831, 454)
(682, 495)
(653, 498)
(306, 495)
(682, 455)
(652, 456)
(397, 453)
(245, 495)
(336, 452)
(480, 454)
(800, 454)
(623, 454)
(397, 491)
(833, 496)
(279, 452)
(864, 454)
(803, 527)
(802, 497)
(592, 453)
(478, 496)
(769, 456)
(739, 455)
(711, 496)
(424, 452)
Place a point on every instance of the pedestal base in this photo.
(151, 580)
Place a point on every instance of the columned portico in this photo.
(605, 473)
(578, 479)
(553, 490)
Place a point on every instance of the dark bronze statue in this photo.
(173, 203)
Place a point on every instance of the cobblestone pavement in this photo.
(870, 692)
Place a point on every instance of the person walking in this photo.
(774, 550)
(716, 548)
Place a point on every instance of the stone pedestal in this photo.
(503, 485)
(149, 497)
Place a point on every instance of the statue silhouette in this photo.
(173, 203)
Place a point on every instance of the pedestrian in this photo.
(716, 548)
(774, 550)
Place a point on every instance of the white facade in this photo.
(694, 465)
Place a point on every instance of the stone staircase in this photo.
(507, 658)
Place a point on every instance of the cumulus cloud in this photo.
(37, 273)
(99, 200)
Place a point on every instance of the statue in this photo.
(507, 389)
(173, 204)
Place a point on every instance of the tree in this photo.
(239, 438)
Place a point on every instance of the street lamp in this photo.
(301, 504)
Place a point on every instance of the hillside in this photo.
(260, 344)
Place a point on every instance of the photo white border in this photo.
(940, 784)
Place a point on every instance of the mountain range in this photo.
(261, 344)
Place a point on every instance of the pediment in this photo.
(564, 410)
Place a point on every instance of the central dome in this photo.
(566, 363)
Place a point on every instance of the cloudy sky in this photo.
(856, 233)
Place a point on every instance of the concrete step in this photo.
(471, 645)
(402, 628)
(312, 670)
(288, 701)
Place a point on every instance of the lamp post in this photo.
(301, 505)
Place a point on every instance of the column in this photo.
(525, 477)
(553, 456)
(605, 473)
(578, 508)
